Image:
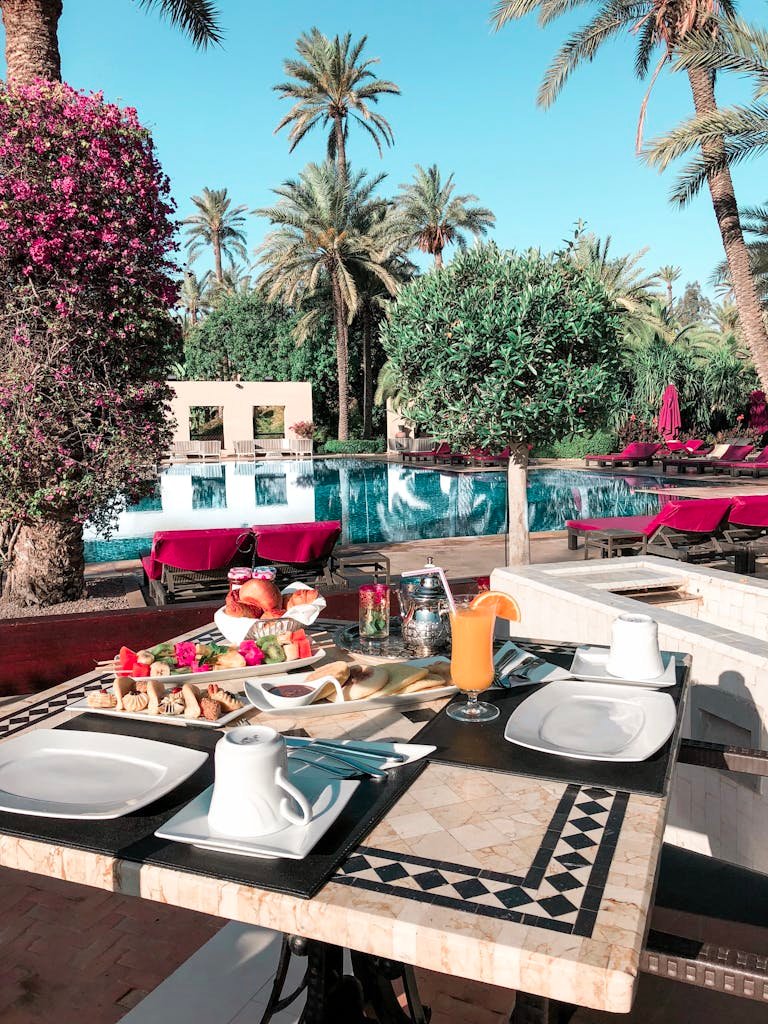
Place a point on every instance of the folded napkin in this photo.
(517, 667)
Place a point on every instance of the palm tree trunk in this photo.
(669, 294)
(216, 243)
(31, 40)
(736, 252)
(46, 565)
(367, 381)
(438, 254)
(342, 357)
(341, 149)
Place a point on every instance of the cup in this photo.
(250, 785)
(635, 650)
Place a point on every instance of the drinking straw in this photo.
(438, 572)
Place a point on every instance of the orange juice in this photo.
(472, 647)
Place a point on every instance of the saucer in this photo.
(327, 796)
(590, 663)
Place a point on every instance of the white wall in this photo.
(238, 399)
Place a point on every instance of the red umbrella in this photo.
(669, 417)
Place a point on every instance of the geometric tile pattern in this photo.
(560, 891)
(31, 714)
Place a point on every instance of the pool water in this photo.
(376, 501)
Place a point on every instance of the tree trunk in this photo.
(438, 254)
(669, 294)
(341, 149)
(367, 370)
(46, 565)
(518, 548)
(342, 357)
(736, 252)
(215, 241)
(31, 40)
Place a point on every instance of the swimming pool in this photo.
(377, 501)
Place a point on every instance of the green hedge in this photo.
(578, 445)
(353, 447)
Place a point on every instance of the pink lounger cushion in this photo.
(691, 516)
(194, 550)
(296, 543)
(749, 510)
(635, 524)
(635, 450)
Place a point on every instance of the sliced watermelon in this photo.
(138, 670)
(126, 659)
(298, 634)
(304, 648)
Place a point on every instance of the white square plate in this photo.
(593, 721)
(53, 773)
(590, 663)
(327, 796)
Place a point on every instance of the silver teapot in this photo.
(424, 608)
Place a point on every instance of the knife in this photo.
(334, 758)
(372, 751)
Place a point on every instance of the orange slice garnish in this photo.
(504, 606)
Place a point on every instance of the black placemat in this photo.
(482, 745)
(132, 836)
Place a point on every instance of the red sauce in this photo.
(290, 690)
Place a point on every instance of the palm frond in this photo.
(199, 19)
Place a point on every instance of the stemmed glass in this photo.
(472, 667)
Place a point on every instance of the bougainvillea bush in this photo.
(86, 264)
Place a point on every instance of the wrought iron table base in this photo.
(333, 996)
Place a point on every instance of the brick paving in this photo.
(77, 955)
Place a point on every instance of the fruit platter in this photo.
(258, 607)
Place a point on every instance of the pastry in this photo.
(191, 697)
(229, 659)
(121, 687)
(301, 597)
(140, 685)
(227, 700)
(135, 702)
(367, 683)
(172, 703)
(102, 699)
(338, 669)
(427, 683)
(402, 676)
(155, 693)
(210, 708)
(262, 595)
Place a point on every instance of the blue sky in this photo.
(468, 104)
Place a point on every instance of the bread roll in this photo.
(368, 683)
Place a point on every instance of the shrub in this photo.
(86, 241)
(374, 446)
(577, 446)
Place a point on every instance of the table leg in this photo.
(530, 1009)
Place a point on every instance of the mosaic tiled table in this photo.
(536, 886)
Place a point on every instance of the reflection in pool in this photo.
(377, 501)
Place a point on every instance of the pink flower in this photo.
(252, 653)
(185, 654)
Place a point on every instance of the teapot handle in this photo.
(286, 810)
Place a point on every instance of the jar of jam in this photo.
(374, 611)
(264, 572)
(236, 577)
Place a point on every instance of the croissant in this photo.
(227, 700)
(135, 701)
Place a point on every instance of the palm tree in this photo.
(219, 225)
(668, 26)
(624, 278)
(754, 221)
(193, 297)
(326, 237)
(329, 85)
(32, 42)
(235, 281)
(669, 274)
(433, 217)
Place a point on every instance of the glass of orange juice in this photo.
(472, 659)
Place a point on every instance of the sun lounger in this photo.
(194, 563)
(299, 551)
(579, 527)
(427, 454)
(685, 529)
(755, 467)
(482, 457)
(684, 448)
(635, 454)
(715, 460)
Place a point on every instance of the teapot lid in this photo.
(429, 586)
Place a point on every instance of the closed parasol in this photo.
(669, 416)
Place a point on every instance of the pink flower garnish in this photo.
(186, 654)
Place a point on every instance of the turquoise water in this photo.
(377, 501)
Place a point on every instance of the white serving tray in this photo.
(590, 663)
(56, 773)
(144, 716)
(327, 796)
(394, 700)
(221, 674)
(593, 721)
